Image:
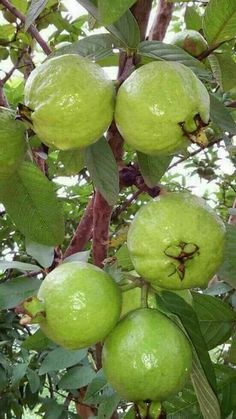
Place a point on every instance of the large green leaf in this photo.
(43, 254)
(61, 358)
(216, 319)
(37, 342)
(76, 377)
(192, 19)
(219, 21)
(228, 70)
(153, 167)
(106, 408)
(108, 14)
(126, 29)
(35, 8)
(95, 387)
(160, 51)
(31, 202)
(16, 290)
(102, 167)
(221, 116)
(227, 271)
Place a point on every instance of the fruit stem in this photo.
(144, 295)
(127, 287)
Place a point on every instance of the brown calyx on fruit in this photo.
(181, 253)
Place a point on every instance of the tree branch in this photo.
(83, 232)
(32, 29)
(141, 11)
(161, 21)
(3, 99)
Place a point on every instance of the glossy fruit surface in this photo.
(131, 300)
(12, 142)
(176, 241)
(191, 41)
(146, 356)
(82, 304)
(155, 101)
(72, 100)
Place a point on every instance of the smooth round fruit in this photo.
(72, 101)
(146, 356)
(131, 300)
(176, 241)
(12, 142)
(158, 105)
(82, 304)
(153, 409)
(191, 41)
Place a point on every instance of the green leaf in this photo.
(20, 266)
(78, 257)
(216, 319)
(16, 290)
(31, 202)
(37, 342)
(108, 14)
(123, 258)
(71, 162)
(95, 387)
(76, 377)
(192, 19)
(227, 271)
(3, 378)
(221, 116)
(18, 373)
(228, 70)
(7, 33)
(94, 47)
(206, 398)
(183, 405)
(43, 254)
(153, 167)
(219, 21)
(232, 352)
(33, 378)
(175, 304)
(160, 51)
(35, 8)
(108, 407)
(216, 70)
(89, 5)
(103, 169)
(61, 358)
(126, 29)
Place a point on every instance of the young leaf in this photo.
(221, 116)
(43, 254)
(160, 51)
(37, 342)
(31, 202)
(123, 258)
(153, 167)
(61, 358)
(219, 21)
(216, 319)
(16, 290)
(126, 29)
(108, 14)
(76, 377)
(102, 167)
(227, 271)
(78, 257)
(192, 19)
(36, 7)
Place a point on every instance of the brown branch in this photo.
(126, 204)
(83, 232)
(32, 29)
(101, 220)
(141, 10)
(3, 99)
(161, 21)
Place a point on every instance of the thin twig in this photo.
(126, 204)
(161, 20)
(32, 29)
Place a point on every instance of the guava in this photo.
(150, 410)
(72, 101)
(82, 304)
(131, 300)
(191, 41)
(176, 241)
(146, 356)
(12, 142)
(161, 107)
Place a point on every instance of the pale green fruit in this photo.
(82, 304)
(131, 300)
(146, 356)
(191, 41)
(154, 409)
(176, 241)
(154, 101)
(72, 101)
(12, 142)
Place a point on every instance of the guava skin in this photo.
(191, 41)
(146, 356)
(154, 101)
(158, 232)
(82, 304)
(72, 100)
(131, 300)
(12, 142)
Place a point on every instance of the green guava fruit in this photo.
(82, 304)
(191, 41)
(146, 356)
(150, 410)
(72, 101)
(162, 106)
(12, 142)
(131, 300)
(176, 241)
